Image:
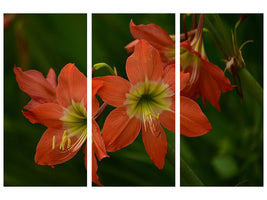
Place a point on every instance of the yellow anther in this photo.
(54, 142)
(147, 116)
(150, 114)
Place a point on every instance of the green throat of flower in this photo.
(170, 53)
(190, 63)
(148, 99)
(75, 125)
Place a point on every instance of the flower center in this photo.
(75, 125)
(148, 99)
(75, 118)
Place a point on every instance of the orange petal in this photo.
(169, 76)
(113, 90)
(95, 105)
(167, 119)
(144, 63)
(32, 103)
(155, 144)
(95, 177)
(52, 78)
(130, 47)
(209, 89)
(72, 85)
(48, 114)
(184, 78)
(84, 100)
(119, 130)
(193, 122)
(35, 85)
(96, 84)
(218, 75)
(152, 33)
(98, 143)
(46, 155)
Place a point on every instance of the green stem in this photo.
(251, 86)
(188, 177)
(218, 33)
(222, 30)
(104, 65)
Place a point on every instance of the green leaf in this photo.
(188, 176)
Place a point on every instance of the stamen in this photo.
(64, 140)
(151, 125)
(150, 114)
(69, 143)
(54, 142)
(77, 144)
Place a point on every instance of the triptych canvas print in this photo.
(158, 107)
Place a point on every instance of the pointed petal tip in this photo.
(132, 23)
(193, 122)
(145, 62)
(156, 147)
(72, 85)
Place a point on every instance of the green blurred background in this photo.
(38, 41)
(232, 153)
(130, 166)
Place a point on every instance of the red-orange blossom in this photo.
(147, 100)
(62, 108)
(206, 79)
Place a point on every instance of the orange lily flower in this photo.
(66, 120)
(157, 37)
(147, 100)
(193, 121)
(40, 89)
(98, 146)
(206, 79)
